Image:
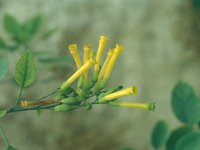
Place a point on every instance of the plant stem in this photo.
(54, 92)
(18, 109)
(20, 93)
(4, 136)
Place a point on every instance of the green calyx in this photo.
(81, 93)
(63, 108)
(112, 90)
(152, 106)
(66, 90)
(88, 106)
(70, 101)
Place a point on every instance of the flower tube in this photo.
(87, 50)
(74, 52)
(103, 69)
(128, 91)
(78, 73)
(146, 106)
(102, 44)
(110, 65)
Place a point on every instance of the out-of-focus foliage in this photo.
(160, 134)
(183, 101)
(186, 108)
(190, 141)
(176, 135)
(27, 35)
(196, 4)
(3, 67)
(22, 34)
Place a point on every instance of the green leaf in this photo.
(175, 136)
(2, 44)
(11, 25)
(33, 25)
(190, 141)
(185, 104)
(49, 33)
(11, 148)
(3, 67)
(2, 113)
(160, 134)
(25, 70)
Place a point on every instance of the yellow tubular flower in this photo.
(103, 69)
(74, 51)
(102, 44)
(146, 106)
(111, 63)
(128, 91)
(78, 73)
(87, 49)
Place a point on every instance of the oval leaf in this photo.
(33, 25)
(175, 136)
(25, 70)
(160, 134)
(190, 141)
(3, 67)
(49, 33)
(185, 104)
(2, 113)
(11, 25)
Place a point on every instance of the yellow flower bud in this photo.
(146, 106)
(74, 51)
(87, 52)
(111, 63)
(102, 44)
(124, 92)
(78, 73)
(103, 69)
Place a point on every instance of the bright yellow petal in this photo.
(115, 95)
(111, 63)
(146, 106)
(74, 51)
(103, 69)
(78, 73)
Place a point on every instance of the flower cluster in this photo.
(89, 86)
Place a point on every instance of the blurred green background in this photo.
(161, 42)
